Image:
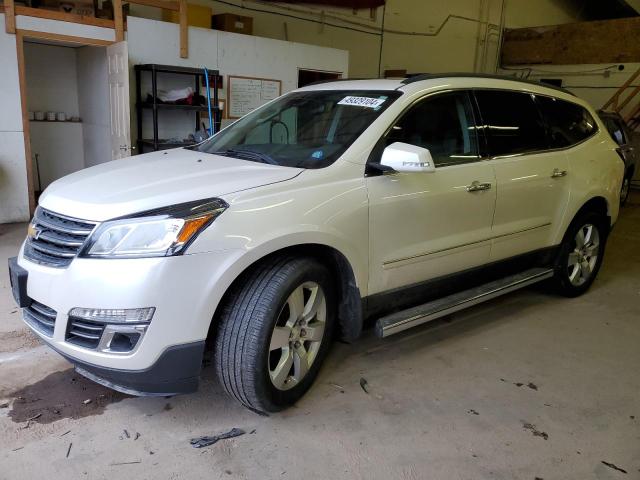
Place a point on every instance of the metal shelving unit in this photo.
(154, 70)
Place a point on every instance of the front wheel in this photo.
(581, 254)
(274, 332)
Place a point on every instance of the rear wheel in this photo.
(581, 254)
(624, 191)
(274, 333)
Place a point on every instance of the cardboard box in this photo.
(197, 16)
(229, 22)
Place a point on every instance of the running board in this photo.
(400, 321)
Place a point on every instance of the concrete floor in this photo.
(528, 386)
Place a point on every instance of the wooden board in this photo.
(606, 41)
(248, 93)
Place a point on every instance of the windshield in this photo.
(302, 129)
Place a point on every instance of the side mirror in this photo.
(404, 157)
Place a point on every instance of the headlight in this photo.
(156, 233)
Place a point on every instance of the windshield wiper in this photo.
(248, 155)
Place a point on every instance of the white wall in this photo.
(93, 104)
(14, 199)
(52, 85)
(230, 53)
(52, 78)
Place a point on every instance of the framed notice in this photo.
(245, 94)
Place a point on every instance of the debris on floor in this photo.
(364, 385)
(69, 449)
(615, 467)
(472, 411)
(535, 431)
(205, 441)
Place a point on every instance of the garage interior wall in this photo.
(230, 53)
(419, 36)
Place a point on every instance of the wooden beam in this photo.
(164, 4)
(9, 16)
(117, 18)
(184, 29)
(605, 41)
(63, 17)
(613, 101)
(64, 38)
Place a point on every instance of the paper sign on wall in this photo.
(248, 93)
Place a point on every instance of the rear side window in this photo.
(568, 123)
(512, 122)
(615, 130)
(444, 124)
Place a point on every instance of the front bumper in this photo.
(184, 290)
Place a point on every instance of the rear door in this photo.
(425, 225)
(531, 177)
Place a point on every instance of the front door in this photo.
(118, 78)
(425, 225)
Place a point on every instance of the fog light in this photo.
(114, 315)
(121, 338)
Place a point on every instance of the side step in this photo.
(399, 321)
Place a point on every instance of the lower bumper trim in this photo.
(176, 371)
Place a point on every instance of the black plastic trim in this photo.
(176, 371)
(404, 297)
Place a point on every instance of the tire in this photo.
(268, 309)
(624, 191)
(578, 262)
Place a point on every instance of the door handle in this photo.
(476, 186)
(557, 173)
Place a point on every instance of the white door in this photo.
(427, 225)
(118, 72)
(531, 175)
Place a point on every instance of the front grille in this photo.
(55, 240)
(84, 333)
(40, 317)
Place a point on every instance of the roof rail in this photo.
(434, 76)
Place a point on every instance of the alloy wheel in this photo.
(297, 335)
(583, 259)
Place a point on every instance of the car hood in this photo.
(154, 180)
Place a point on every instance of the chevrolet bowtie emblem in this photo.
(33, 232)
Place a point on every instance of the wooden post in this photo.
(184, 29)
(117, 17)
(9, 16)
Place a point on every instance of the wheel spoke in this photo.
(300, 363)
(296, 305)
(314, 332)
(592, 249)
(281, 372)
(580, 241)
(315, 301)
(574, 275)
(588, 235)
(586, 268)
(280, 338)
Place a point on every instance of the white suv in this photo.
(397, 201)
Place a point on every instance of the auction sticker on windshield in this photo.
(362, 101)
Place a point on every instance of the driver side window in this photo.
(442, 123)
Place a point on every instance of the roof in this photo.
(435, 80)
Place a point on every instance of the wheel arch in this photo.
(350, 311)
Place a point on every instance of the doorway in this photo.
(306, 77)
(67, 95)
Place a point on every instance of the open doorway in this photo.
(75, 104)
(68, 108)
(305, 76)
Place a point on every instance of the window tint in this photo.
(444, 124)
(512, 122)
(568, 123)
(615, 130)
